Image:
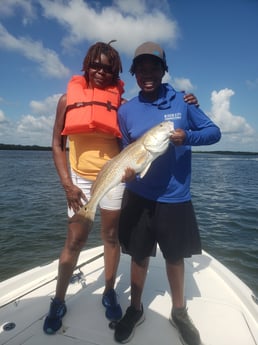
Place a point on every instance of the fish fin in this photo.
(142, 174)
(141, 156)
(93, 187)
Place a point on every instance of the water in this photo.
(225, 196)
(33, 211)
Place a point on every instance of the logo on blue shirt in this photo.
(173, 116)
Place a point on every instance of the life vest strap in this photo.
(107, 104)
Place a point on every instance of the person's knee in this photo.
(142, 263)
(109, 235)
(76, 239)
(175, 262)
(109, 226)
(75, 244)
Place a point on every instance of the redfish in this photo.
(137, 156)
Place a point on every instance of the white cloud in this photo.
(31, 124)
(10, 7)
(47, 106)
(134, 7)
(183, 84)
(252, 83)
(119, 21)
(38, 128)
(47, 59)
(180, 84)
(222, 115)
(236, 132)
(31, 129)
(140, 7)
(5, 126)
(2, 117)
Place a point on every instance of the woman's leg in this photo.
(109, 235)
(77, 236)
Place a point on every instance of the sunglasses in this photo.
(99, 66)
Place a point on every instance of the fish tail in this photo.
(84, 215)
(87, 212)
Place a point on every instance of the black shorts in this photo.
(144, 223)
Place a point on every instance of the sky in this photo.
(211, 49)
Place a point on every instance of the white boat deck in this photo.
(219, 303)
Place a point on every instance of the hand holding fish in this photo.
(178, 137)
(136, 158)
(74, 197)
(129, 175)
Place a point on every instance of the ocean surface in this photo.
(33, 211)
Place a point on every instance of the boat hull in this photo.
(220, 304)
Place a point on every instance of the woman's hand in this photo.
(75, 197)
(129, 175)
(191, 99)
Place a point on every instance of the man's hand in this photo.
(178, 137)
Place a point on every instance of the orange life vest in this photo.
(89, 110)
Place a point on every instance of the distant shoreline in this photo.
(24, 147)
(13, 147)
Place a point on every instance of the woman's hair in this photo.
(94, 53)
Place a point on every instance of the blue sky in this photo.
(211, 47)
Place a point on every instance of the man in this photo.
(158, 208)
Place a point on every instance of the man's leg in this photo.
(175, 274)
(179, 316)
(134, 315)
(138, 276)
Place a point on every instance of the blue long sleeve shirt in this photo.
(169, 177)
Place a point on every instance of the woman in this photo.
(91, 145)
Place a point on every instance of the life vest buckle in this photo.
(109, 106)
(79, 104)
